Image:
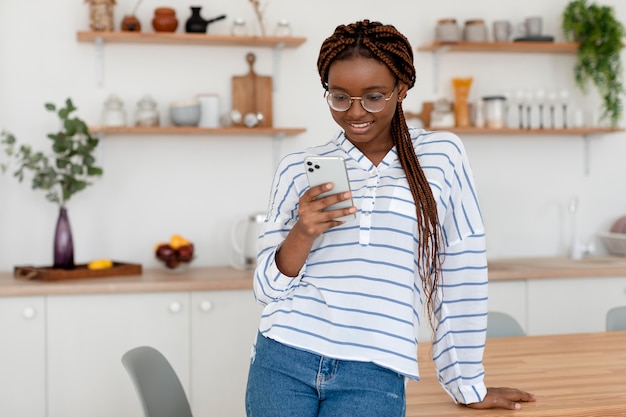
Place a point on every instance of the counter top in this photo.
(227, 278)
(573, 375)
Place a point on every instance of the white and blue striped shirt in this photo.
(359, 295)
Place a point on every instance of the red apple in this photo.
(185, 253)
(165, 252)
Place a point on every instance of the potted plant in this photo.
(600, 35)
(62, 174)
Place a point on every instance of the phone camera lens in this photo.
(311, 169)
(317, 166)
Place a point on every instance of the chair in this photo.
(502, 325)
(156, 382)
(616, 319)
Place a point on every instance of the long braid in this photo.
(387, 45)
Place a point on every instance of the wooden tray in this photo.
(48, 273)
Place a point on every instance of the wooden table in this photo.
(573, 375)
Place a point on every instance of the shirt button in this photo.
(367, 213)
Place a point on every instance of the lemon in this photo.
(176, 241)
(100, 264)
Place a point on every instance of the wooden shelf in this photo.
(582, 131)
(502, 47)
(191, 130)
(189, 39)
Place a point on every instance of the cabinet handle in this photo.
(206, 306)
(175, 307)
(28, 313)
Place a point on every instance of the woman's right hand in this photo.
(313, 219)
(312, 222)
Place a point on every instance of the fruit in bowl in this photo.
(176, 254)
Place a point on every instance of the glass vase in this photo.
(63, 244)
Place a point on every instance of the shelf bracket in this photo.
(587, 154)
(278, 49)
(99, 42)
(436, 65)
(276, 148)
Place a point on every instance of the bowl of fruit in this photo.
(176, 254)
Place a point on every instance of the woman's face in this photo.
(356, 77)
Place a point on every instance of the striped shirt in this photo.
(359, 296)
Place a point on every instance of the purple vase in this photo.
(63, 245)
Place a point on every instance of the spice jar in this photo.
(164, 19)
(494, 111)
(283, 28)
(239, 27)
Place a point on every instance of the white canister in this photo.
(209, 110)
(447, 30)
(475, 31)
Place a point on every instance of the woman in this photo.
(338, 335)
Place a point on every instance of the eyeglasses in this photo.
(371, 102)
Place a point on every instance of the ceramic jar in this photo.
(475, 31)
(283, 28)
(239, 27)
(147, 113)
(164, 19)
(447, 30)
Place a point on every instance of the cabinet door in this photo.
(224, 327)
(22, 356)
(574, 305)
(87, 336)
(510, 297)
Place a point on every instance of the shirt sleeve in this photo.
(461, 312)
(289, 184)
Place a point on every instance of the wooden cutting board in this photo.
(252, 93)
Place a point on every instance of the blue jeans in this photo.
(288, 382)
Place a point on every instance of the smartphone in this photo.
(323, 169)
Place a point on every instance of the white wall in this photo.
(199, 186)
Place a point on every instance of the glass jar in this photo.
(147, 113)
(239, 27)
(494, 111)
(283, 28)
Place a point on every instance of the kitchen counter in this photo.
(227, 278)
(573, 375)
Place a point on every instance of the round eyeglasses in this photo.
(371, 102)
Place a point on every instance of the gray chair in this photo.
(156, 382)
(616, 319)
(502, 325)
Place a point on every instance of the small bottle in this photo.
(283, 28)
(239, 27)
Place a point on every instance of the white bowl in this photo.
(185, 113)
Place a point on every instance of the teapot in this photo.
(245, 239)
(197, 24)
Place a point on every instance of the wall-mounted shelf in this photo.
(190, 39)
(278, 43)
(502, 47)
(582, 131)
(191, 130)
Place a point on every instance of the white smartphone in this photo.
(323, 169)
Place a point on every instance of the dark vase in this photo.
(63, 245)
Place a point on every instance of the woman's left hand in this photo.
(508, 398)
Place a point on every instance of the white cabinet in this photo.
(573, 305)
(510, 297)
(223, 328)
(87, 336)
(22, 357)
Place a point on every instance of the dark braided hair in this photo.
(387, 45)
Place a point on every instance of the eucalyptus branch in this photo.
(67, 170)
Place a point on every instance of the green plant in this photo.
(67, 171)
(598, 57)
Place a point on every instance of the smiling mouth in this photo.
(360, 125)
